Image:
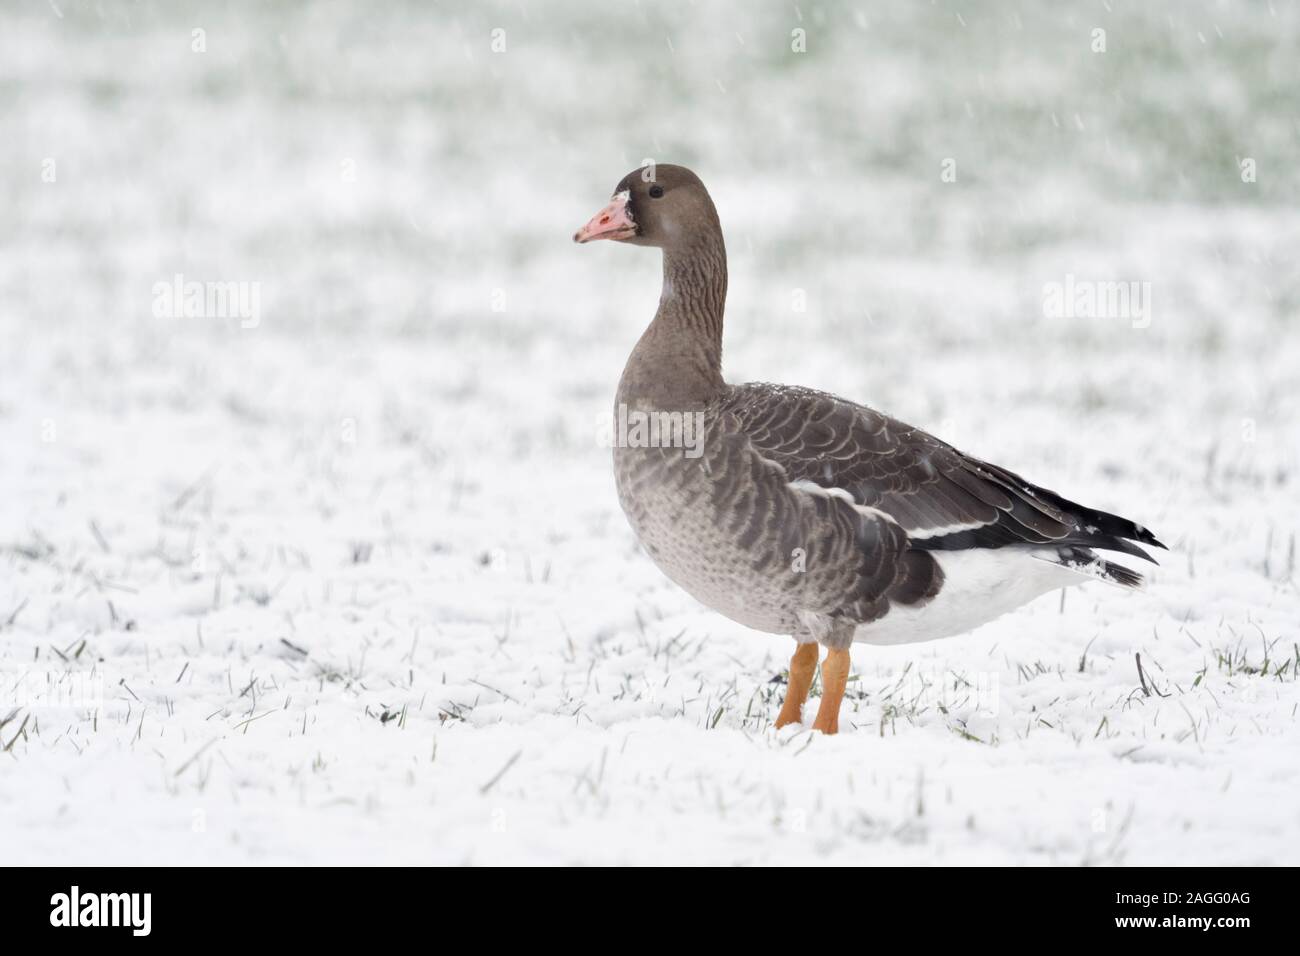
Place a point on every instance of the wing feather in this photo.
(943, 498)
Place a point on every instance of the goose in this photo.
(793, 511)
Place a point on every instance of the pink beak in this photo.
(612, 222)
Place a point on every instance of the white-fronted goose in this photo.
(796, 512)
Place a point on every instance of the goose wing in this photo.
(839, 562)
(944, 499)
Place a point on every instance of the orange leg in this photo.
(802, 667)
(835, 675)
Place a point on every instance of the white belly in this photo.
(979, 585)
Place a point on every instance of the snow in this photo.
(351, 585)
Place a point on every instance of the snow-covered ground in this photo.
(346, 580)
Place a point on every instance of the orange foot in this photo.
(802, 667)
(835, 675)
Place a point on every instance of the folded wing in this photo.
(943, 498)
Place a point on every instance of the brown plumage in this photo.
(798, 512)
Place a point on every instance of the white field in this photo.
(351, 585)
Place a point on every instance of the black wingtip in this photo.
(1113, 533)
(1121, 575)
(1102, 525)
(1146, 537)
(1087, 561)
(1113, 542)
(1153, 541)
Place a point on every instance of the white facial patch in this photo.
(625, 197)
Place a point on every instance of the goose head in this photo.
(657, 205)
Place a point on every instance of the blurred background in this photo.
(408, 178)
(411, 419)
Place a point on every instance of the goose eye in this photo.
(656, 191)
